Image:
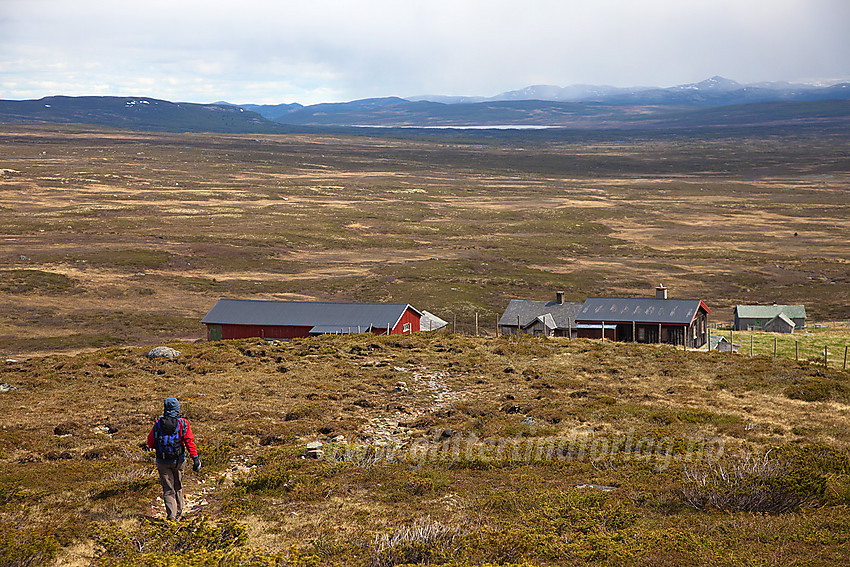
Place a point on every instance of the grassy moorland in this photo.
(439, 449)
(119, 238)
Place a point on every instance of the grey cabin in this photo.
(547, 318)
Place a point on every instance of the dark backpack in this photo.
(168, 433)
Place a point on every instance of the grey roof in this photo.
(333, 317)
(770, 311)
(640, 310)
(717, 339)
(785, 318)
(563, 314)
(547, 320)
(430, 322)
(781, 317)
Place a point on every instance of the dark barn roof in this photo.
(641, 310)
(323, 316)
(564, 314)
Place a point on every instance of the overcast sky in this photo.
(276, 51)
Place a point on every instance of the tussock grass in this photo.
(594, 452)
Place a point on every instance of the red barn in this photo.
(246, 318)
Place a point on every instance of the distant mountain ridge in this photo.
(711, 103)
(136, 113)
(715, 91)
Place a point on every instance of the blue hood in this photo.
(172, 407)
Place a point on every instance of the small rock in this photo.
(63, 429)
(400, 386)
(7, 387)
(601, 487)
(447, 433)
(314, 450)
(102, 429)
(163, 352)
(529, 421)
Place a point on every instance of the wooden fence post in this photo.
(826, 355)
(731, 340)
(454, 323)
(845, 357)
(774, 347)
(796, 350)
(751, 346)
(603, 331)
(476, 323)
(708, 343)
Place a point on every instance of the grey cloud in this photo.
(272, 51)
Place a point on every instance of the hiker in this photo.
(170, 434)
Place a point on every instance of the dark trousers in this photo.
(171, 478)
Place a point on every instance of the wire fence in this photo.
(819, 348)
(827, 344)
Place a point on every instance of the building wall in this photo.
(698, 330)
(409, 323)
(753, 324)
(538, 328)
(693, 336)
(778, 327)
(408, 318)
(263, 332)
(610, 333)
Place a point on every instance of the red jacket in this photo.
(188, 438)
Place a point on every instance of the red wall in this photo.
(292, 332)
(265, 332)
(409, 316)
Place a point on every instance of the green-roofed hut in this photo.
(756, 317)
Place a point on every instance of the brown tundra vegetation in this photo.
(438, 448)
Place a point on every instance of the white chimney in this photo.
(559, 297)
(661, 292)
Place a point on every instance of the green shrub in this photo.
(132, 480)
(169, 543)
(21, 547)
(811, 389)
(215, 453)
(35, 281)
(270, 482)
(752, 484)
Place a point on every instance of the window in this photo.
(405, 328)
